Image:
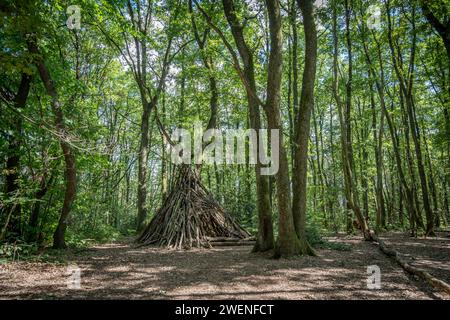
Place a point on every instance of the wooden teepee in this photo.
(189, 216)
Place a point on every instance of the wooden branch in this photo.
(432, 19)
(161, 127)
(233, 54)
(435, 282)
(190, 217)
(232, 243)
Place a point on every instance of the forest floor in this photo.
(121, 271)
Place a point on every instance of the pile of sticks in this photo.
(189, 216)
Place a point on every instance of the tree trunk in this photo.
(265, 238)
(406, 88)
(69, 156)
(12, 168)
(142, 167)
(378, 143)
(288, 243)
(302, 127)
(380, 85)
(35, 211)
(350, 192)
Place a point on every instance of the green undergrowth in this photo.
(20, 251)
(317, 239)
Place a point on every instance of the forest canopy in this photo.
(91, 92)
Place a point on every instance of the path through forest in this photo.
(121, 271)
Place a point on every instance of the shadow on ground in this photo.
(121, 271)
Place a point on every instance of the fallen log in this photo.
(435, 282)
(232, 243)
(228, 239)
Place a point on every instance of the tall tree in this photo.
(138, 17)
(443, 29)
(288, 243)
(406, 87)
(302, 126)
(344, 120)
(12, 169)
(265, 238)
(69, 154)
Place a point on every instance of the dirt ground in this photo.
(430, 254)
(119, 271)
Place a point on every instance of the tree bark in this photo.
(265, 239)
(69, 155)
(443, 29)
(35, 211)
(378, 143)
(406, 86)
(142, 166)
(380, 86)
(302, 127)
(350, 192)
(288, 243)
(12, 168)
